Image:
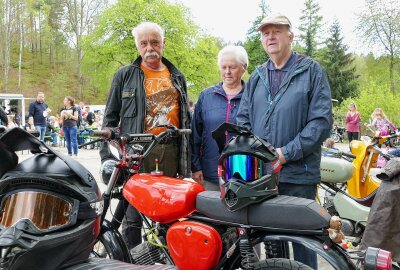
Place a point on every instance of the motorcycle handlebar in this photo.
(338, 152)
(99, 133)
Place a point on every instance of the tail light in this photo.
(378, 259)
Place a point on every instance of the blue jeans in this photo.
(70, 134)
(300, 252)
(42, 132)
(395, 152)
(53, 137)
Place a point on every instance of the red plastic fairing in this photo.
(194, 245)
(161, 198)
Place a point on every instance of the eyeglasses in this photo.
(243, 167)
(44, 211)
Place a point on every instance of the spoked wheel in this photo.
(335, 137)
(394, 142)
(102, 249)
(281, 264)
(110, 245)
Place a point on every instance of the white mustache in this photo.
(150, 54)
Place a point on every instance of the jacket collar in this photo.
(219, 90)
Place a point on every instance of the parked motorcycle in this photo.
(363, 181)
(338, 134)
(195, 229)
(50, 209)
(350, 182)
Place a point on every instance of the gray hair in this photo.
(238, 52)
(140, 27)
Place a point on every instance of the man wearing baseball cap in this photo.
(287, 101)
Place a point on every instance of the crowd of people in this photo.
(71, 123)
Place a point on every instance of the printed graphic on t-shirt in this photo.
(162, 101)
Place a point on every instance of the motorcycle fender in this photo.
(114, 241)
(334, 255)
(348, 208)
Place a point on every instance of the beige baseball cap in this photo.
(274, 19)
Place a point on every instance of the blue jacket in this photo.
(211, 110)
(298, 119)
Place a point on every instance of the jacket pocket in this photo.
(128, 108)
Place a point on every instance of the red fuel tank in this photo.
(194, 245)
(161, 198)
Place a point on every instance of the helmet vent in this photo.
(42, 183)
(231, 199)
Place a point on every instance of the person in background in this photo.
(191, 108)
(353, 122)
(287, 102)
(89, 116)
(3, 117)
(38, 112)
(380, 123)
(144, 95)
(53, 128)
(216, 105)
(69, 116)
(17, 116)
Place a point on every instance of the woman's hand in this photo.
(198, 177)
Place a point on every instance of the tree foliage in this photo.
(339, 65)
(111, 44)
(253, 46)
(373, 95)
(379, 24)
(310, 24)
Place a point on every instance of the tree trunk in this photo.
(7, 43)
(21, 43)
(391, 67)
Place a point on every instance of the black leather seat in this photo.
(284, 212)
(107, 264)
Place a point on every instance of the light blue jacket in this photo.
(297, 120)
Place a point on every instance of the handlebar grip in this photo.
(185, 131)
(99, 133)
(348, 155)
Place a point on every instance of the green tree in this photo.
(310, 23)
(379, 24)
(111, 44)
(253, 46)
(339, 65)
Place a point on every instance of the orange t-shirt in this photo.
(162, 100)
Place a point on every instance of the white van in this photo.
(11, 101)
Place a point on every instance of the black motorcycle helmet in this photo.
(248, 167)
(50, 208)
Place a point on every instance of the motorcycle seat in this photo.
(280, 212)
(108, 264)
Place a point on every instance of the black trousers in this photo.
(300, 252)
(352, 136)
(167, 155)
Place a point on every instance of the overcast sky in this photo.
(230, 19)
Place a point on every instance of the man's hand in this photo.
(282, 159)
(108, 133)
(198, 177)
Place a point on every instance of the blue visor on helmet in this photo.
(242, 167)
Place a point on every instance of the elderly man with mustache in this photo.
(144, 95)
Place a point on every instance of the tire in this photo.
(110, 245)
(335, 137)
(102, 249)
(281, 264)
(394, 142)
